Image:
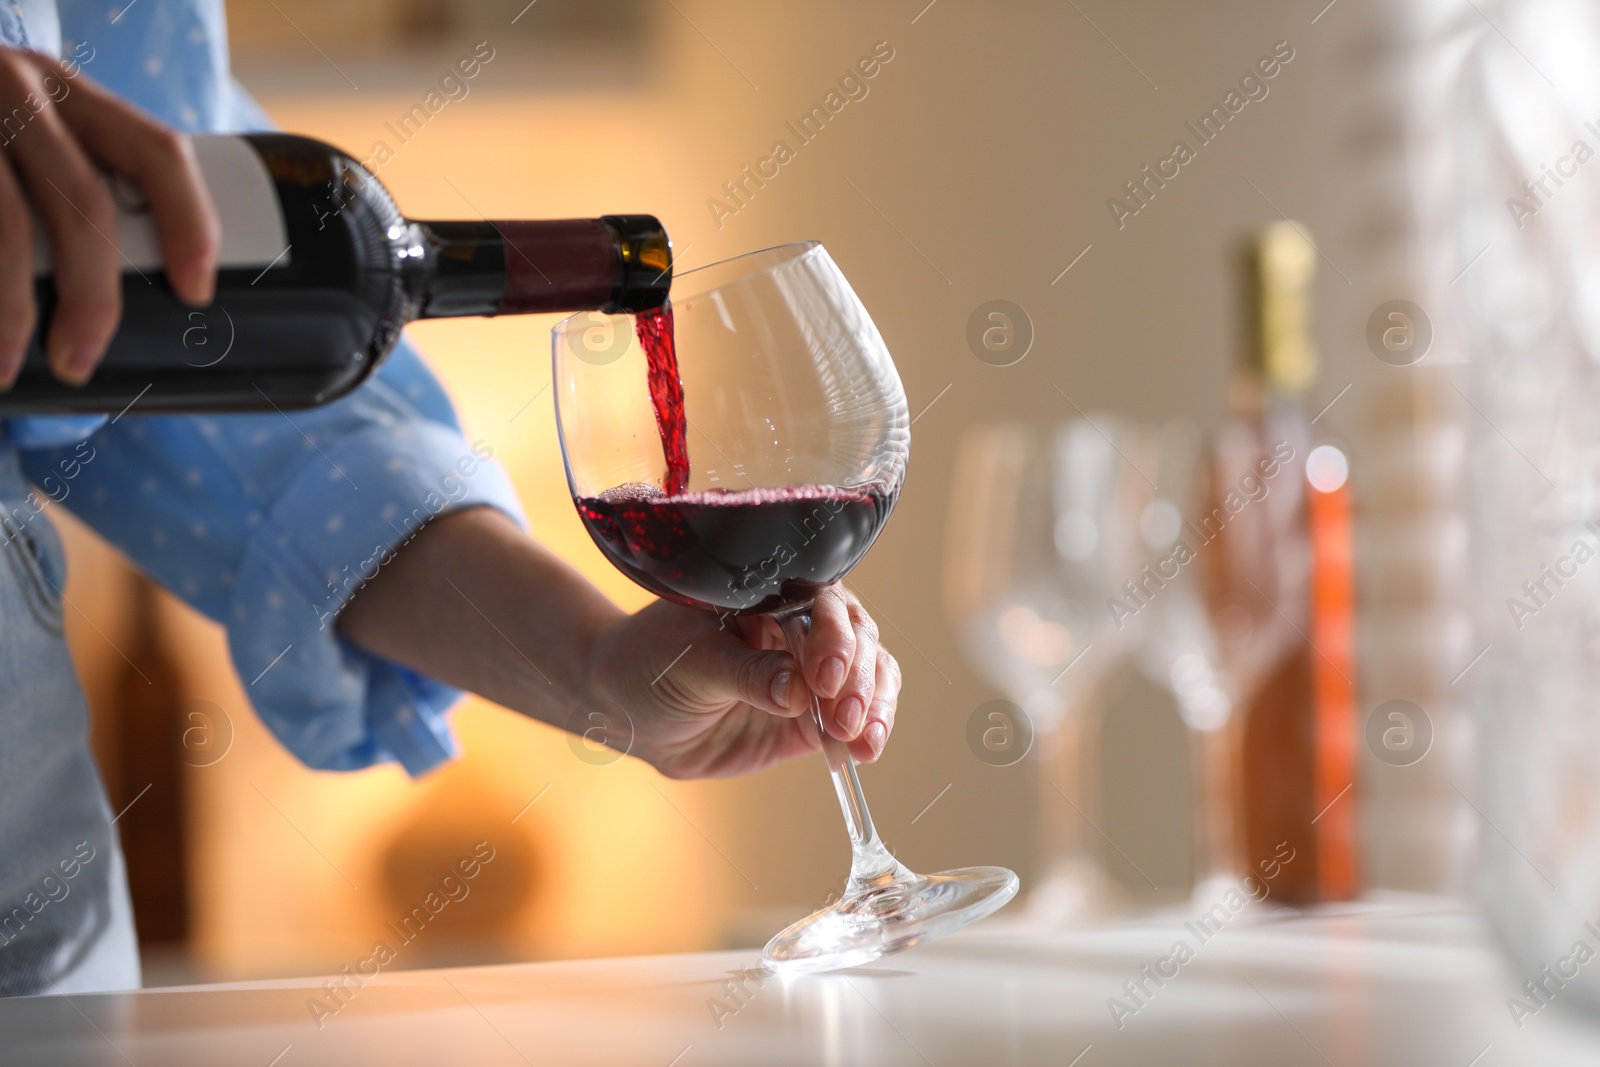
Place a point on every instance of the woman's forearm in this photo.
(475, 602)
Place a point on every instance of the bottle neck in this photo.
(619, 263)
(1280, 362)
(1287, 263)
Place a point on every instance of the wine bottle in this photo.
(1280, 594)
(319, 271)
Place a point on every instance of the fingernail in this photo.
(780, 688)
(876, 737)
(71, 366)
(82, 364)
(831, 675)
(851, 712)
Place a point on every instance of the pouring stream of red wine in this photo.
(666, 393)
(739, 550)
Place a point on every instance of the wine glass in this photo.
(1178, 646)
(767, 382)
(1257, 575)
(1039, 532)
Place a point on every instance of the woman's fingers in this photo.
(880, 716)
(61, 130)
(756, 670)
(716, 666)
(18, 314)
(160, 162)
(723, 695)
(77, 211)
(847, 712)
(831, 642)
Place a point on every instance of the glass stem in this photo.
(870, 863)
(1217, 861)
(1062, 794)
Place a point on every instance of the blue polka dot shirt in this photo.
(267, 523)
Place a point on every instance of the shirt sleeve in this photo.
(271, 523)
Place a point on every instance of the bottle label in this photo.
(253, 230)
(557, 265)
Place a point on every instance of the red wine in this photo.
(319, 272)
(666, 393)
(744, 551)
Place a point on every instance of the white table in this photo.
(1413, 981)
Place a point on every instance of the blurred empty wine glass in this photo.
(1038, 525)
(1177, 643)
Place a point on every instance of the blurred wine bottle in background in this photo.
(1280, 588)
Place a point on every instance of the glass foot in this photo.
(886, 915)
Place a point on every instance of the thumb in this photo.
(729, 669)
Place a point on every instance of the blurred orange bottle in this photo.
(1280, 586)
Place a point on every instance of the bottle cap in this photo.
(644, 273)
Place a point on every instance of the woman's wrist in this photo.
(596, 709)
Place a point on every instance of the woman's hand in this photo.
(59, 131)
(474, 602)
(708, 696)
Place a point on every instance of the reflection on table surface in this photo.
(1405, 980)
